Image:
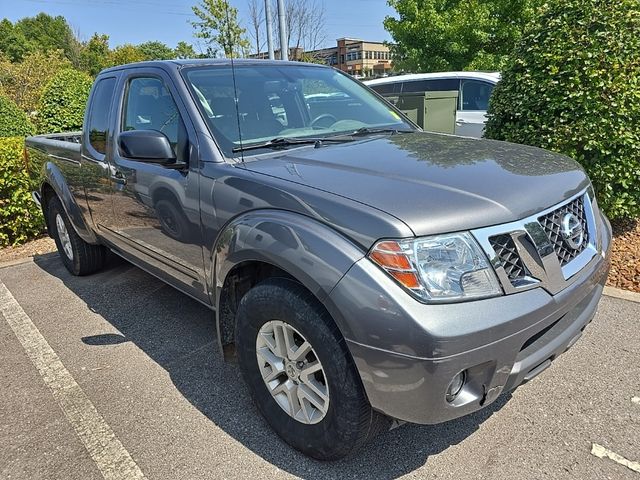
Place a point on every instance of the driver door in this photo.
(156, 207)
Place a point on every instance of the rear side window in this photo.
(435, 85)
(387, 88)
(98, 124)
(475, 95)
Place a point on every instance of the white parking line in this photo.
(601, 452)
(110, 456)
(635, 400)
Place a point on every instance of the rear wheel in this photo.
(80, 257)
(300, 372)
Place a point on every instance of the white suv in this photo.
(474, 89)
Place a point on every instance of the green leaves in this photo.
(63, 102)
(218, 26)
(13, 121)
(20, 218)
(437, 35)
(572, 85)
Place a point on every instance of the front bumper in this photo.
(408, 352)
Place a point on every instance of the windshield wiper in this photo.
(282, 142)
(364, 131)
(361, 132)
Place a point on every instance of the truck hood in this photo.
(434, 183)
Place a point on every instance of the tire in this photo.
(80, 257)
(173, 221)
(349, 421)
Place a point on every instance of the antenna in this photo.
(231, 47)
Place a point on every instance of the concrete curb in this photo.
(622, 294)
(22, 261)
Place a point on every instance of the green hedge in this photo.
(573, 86)
(63, 102)
(13, 121)
(20, 218)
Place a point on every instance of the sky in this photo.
(137, 21)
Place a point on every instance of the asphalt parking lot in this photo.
(122, 379)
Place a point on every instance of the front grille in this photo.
(552, 225)
(507, 252)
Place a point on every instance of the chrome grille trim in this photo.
(506, 249)
(552, 225)
(540, 257)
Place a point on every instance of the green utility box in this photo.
(433, 111)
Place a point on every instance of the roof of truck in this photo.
(206, 61)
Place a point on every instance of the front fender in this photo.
(52, 176)
(313, 253)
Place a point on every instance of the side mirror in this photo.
(148, 146)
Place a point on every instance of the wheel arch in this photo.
(272, 243)
(54, 184)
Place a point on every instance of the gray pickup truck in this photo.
(363, 272)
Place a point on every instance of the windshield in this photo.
(288, 101)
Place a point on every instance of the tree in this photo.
(305, 23)
(219, 28)
(124, 54)
(13, 43)
(155, 50)
(23, 82)
(184, 50)
(95, 54)
(63, 102)
(256, 19)
(437, 35)
(47, 33)
(572, 85)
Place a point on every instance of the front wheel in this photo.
(80, 257)
(300, 373)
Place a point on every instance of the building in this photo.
(359, 58)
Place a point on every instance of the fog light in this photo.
(456, 386)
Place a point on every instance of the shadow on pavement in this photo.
(179, 334)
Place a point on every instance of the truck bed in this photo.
(61, 146)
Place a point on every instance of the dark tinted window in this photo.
(475, 95)
(150, 106)
(435, 85)
(269, 101)
(99, 117)
(387, 88)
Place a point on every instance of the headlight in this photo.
(442, 268)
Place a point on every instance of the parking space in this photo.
(139, 389)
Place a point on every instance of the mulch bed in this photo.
(625, 258)
(39, 246)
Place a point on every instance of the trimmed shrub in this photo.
(13, 121)
(20, 218)
(572, 85)
(23, 82)
(63, 102)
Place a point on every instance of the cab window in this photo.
(98, 121)
(150, 106)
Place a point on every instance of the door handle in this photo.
(119, 178)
